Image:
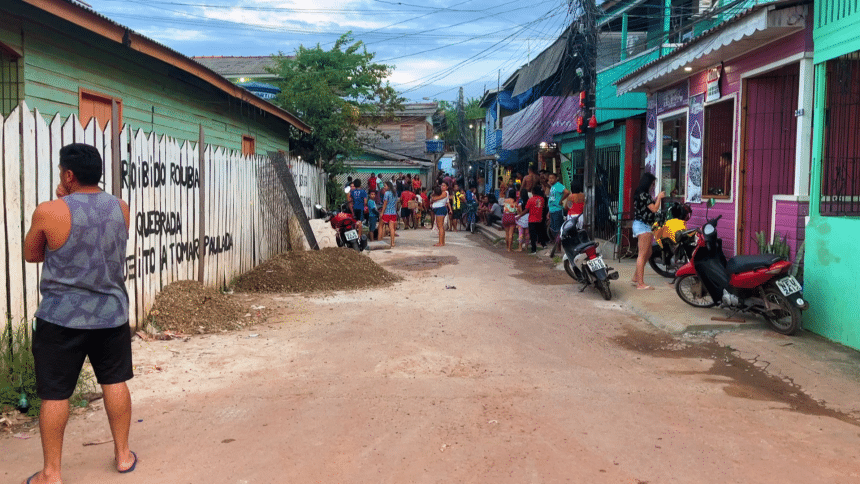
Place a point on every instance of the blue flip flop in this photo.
(31, 477)
(130, 468)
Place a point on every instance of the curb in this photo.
(671, 314)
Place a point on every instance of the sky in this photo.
(435, 46)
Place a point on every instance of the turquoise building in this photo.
(832, 263)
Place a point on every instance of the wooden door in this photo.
(770, 138)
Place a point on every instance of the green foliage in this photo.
(18, 371)
(336, 92)
(778, 246)
(472, 111)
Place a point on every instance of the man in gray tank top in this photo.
(81, 240)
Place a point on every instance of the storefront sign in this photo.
(695, 147)
(651, 137)
(714, 83)
(672, 99)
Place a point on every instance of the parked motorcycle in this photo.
(582, 260)
(345, 226)
(758, 284)
(673, 242)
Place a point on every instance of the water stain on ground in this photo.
(740, 377)
(421, 263)
(533, 269)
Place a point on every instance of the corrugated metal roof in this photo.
(234, 66)
(717, 28)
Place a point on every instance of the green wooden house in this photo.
(64, 58)
(831, 263)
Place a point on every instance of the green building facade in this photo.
(831, 261)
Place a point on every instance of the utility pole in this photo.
(589, 78)
(462, 151)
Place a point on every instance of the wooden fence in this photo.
(198, 212)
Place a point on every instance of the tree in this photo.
(336, 92)
(472, 110)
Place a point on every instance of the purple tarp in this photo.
(540, 121)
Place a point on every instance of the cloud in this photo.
(175, 35)
(320, 15)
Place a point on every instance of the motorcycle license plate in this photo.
(788, 286)
(596, 264)
(350, 235)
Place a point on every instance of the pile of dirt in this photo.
(330, 269)
(188, 307)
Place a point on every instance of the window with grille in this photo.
(840, 170)
(717, 153)
(11, 85)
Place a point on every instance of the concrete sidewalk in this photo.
(826, 370)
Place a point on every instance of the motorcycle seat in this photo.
(744, 263)
(581, 247)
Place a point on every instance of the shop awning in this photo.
(540, 121)
(754, 28)
(545, 65)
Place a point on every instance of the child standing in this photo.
(372, 215)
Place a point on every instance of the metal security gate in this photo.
(840, 175)
(606, 185)
(770, 138)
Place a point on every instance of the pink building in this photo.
(729, 117)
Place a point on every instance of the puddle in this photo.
(421, 263)
(739, 377)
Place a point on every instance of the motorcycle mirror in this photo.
(711, 202)
(346, 190)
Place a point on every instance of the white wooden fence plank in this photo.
(4, 263)
(128, 194)
(151, 204)
(209, 195)
(12, 161)
(107, 158)
(161, 205)
(44, 170)
(194, 210)
(56, 129)
(28, 165)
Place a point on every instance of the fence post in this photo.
(116, 172)
(201, 215)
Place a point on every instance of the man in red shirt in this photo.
(371, 183)
(405, 211)
(534, 207)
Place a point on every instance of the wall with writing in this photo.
(244, 218)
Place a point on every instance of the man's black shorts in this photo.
(405, 212)
(59, 354)
(358, 214)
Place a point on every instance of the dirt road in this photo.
(509, 375)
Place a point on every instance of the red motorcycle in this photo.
(345, 226)
(758, 284)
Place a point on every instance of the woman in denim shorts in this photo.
(644, 208)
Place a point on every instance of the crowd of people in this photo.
(402, 203)
(528, 205)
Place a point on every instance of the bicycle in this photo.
(619, 244)
(469, 215)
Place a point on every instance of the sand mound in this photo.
(330, 269)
